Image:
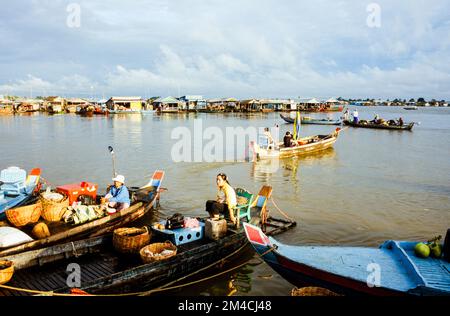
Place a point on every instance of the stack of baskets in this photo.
(155, 252)
(6, 271)
(131, 240)
(21, 216)
(52, 210)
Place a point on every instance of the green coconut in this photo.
(422, 250)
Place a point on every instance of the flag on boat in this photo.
(297, 123)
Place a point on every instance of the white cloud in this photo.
(221, 48)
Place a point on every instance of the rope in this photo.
(197, 271)
(194, 282)
(33, 291)
(279, 210)
(266, 252)
(74, 251)
(160, 289)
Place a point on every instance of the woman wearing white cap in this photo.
(118, 196)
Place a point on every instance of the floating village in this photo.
(43, 229)
(193, 103)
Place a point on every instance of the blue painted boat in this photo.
(391, 269)
(16, 188)
(312, 121)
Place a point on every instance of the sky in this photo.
(226, 48)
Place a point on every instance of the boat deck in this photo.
(352, 262)
(399, 268)
(105, 270)
(434, 273)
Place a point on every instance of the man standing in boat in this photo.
(118, 197)
(355, 116)
(270, 140)
(346, 114)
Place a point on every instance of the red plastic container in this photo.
(73, 191)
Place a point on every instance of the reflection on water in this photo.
(373, 186)
(263, 169)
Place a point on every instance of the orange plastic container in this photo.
(73, 191)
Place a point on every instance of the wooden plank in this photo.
(105, 268)
(75, 231)
(92, 269)
(54, 253)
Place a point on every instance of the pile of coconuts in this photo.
(433, 247)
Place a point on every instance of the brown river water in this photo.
(373, 186)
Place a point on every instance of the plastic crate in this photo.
(181, 236)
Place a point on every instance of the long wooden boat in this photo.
(143, 200)
(6, 109)
(86, 111)
(27, 108)
(306, 145)
(347, 270)
(103, 270)
(31, 186)
(312, 121)
(367, 124)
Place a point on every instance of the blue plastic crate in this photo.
(182, 236)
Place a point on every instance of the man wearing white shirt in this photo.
(355, 116)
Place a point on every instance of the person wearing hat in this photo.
(118, 197)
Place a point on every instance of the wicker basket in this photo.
(6, 271)
(312, 291)
(40, 231)
(21, 216)
(53, 211)
(157, 248)
(131, 240)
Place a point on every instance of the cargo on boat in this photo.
(346, 270)
(369, 124)
(107, 270)
(305, 145)
(143, 199)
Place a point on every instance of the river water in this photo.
(373, 186)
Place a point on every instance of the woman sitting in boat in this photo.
(287, 140)
(376, 120)
(226, 199)
(118, 197)
(400, 122)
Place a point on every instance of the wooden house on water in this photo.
(250, 106)
(29, 105)
(194, 103)
(54, 104)
(169, 105)
(73, 105)
(124, 105)
(6, 106)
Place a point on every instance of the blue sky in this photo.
(220, 48)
